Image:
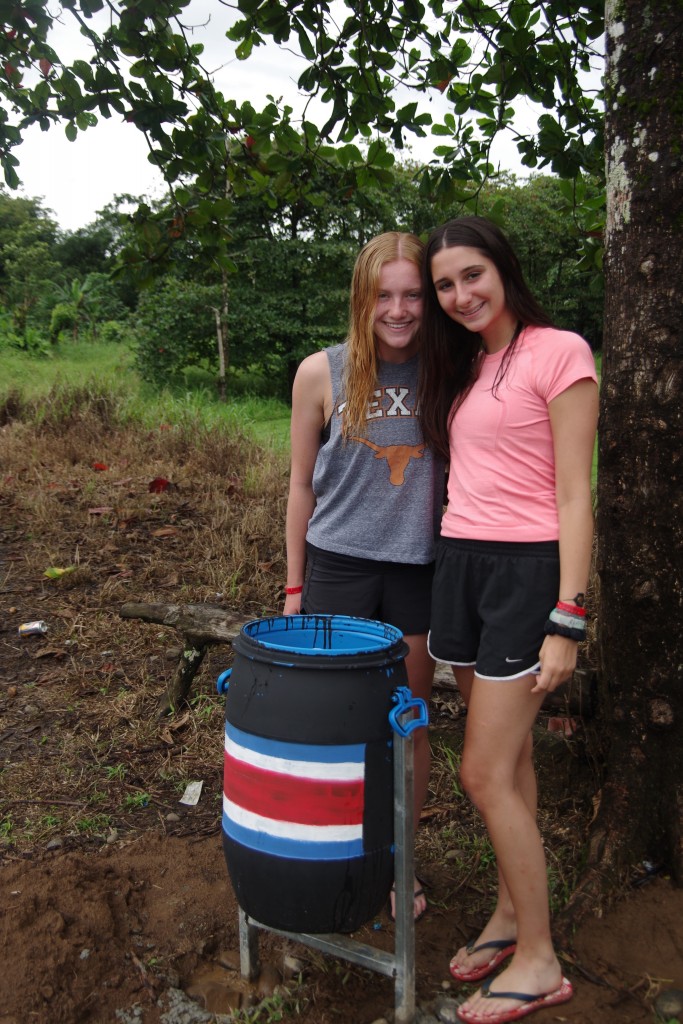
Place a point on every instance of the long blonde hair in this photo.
(362, 364)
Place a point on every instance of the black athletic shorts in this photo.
(490, 602)
(393, 592)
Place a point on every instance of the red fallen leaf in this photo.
(164, 426)
(165, 531)
(100, 467)
(159, 484)
(100, 511)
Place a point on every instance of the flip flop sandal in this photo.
(504, 947)
(530, 1003)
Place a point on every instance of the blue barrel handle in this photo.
(404, 701)
(223, 681)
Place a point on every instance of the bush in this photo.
(174, 329)
(64, 317)
(113, 332)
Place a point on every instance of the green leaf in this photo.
(90, 7)
(85, 120)
(53, 572)
(244, 48)
(11, 176)
(307, 48)
(379, 155)
(139, 69)
(518, 13)
(83, 70)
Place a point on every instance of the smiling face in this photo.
(398, 311)
(470, 291)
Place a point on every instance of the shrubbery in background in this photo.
(286, 293)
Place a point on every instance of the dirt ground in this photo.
(115, 904)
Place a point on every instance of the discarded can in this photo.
(33, 628)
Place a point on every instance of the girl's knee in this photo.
(485, 781)
(476, 780)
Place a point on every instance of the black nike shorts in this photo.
(398, 593)
(490, 602)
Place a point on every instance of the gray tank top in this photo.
(379, 496)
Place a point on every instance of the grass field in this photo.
(84, 364)
(92, 366)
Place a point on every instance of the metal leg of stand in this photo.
(404, 838)
(401, 964)
(250, 963)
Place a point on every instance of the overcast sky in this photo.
(76, 179)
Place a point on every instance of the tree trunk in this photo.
(639, 522)
(221, 316)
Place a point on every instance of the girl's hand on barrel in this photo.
(292, 604)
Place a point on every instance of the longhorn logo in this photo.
(397, 455)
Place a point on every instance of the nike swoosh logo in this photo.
(513, 659)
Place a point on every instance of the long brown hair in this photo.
(451, 355)
(362, 363)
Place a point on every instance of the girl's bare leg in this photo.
(502, 923)
(494, 773)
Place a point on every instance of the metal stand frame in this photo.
(399, 965)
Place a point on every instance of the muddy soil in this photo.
(115, 903)
(146, 930)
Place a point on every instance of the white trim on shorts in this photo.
(458, 664)
(533, 671)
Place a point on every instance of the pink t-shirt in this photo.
(501, 484)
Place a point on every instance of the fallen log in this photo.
(201, 625)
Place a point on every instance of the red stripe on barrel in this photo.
(291, 798)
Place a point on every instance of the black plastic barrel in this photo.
(308, 779)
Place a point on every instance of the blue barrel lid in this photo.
(328, 635)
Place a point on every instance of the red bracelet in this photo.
(294, 590)
(573, 609)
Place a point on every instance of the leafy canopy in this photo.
(483, 56)
(463, 69)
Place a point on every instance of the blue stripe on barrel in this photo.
(294, 799)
